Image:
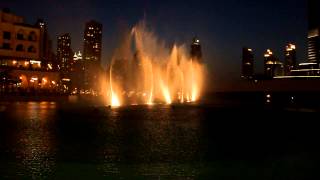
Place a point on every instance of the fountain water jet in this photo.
(114, 98)
(144, 71)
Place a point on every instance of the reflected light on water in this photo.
(35, 149)
(150, 146)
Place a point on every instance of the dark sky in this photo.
(223, 26)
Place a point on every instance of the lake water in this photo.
(67, 140)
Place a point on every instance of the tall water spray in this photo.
(144, 71)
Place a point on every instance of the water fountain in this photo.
(144, 71)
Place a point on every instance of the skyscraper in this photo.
(92, 53)
(64, 53)
(247, 63)
(77, 72)
(314, 45)
(46, 54)
(196, 53)
(272, 66)
(313, 31)
(290, 59)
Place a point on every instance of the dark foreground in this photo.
(249, 140)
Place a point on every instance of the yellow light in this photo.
(66, 79)
(293, 46)
(44, 80)
(35, 62)
(166, 95)
(114, 100)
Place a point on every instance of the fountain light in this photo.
(150, 73)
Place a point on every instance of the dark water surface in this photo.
(54, 140)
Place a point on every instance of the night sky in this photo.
(223, 26)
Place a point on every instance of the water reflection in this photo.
(152, 142)
(34, 141)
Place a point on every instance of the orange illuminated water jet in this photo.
(144, 71)
(114, 98)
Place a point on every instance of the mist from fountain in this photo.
(144, 71)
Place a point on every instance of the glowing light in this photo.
(35, 62)
(268, 53)
(144, 71)
(44, 80)
(298, 70)
(303, 64)
(166, 95)
(290, 47)
(114, 100)
(288, 77)
(66, 79)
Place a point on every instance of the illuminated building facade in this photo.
(314, 46)
(77, 72)
(290, 59)
(272, 66)
(92, 54)
(247, 63)
(313, 33)
(195, 52)
(19, 42)
(21, 66)
(64, 53)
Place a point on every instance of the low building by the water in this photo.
(21, 66)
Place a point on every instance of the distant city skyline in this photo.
(223, 27)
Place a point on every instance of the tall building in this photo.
(45, 52)
(314, 46)
(290, 59)
(195, 51)
(314, 31)
(247, 63)
(77, 73)
(272, 66)
(64, 53)
(92, 54)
